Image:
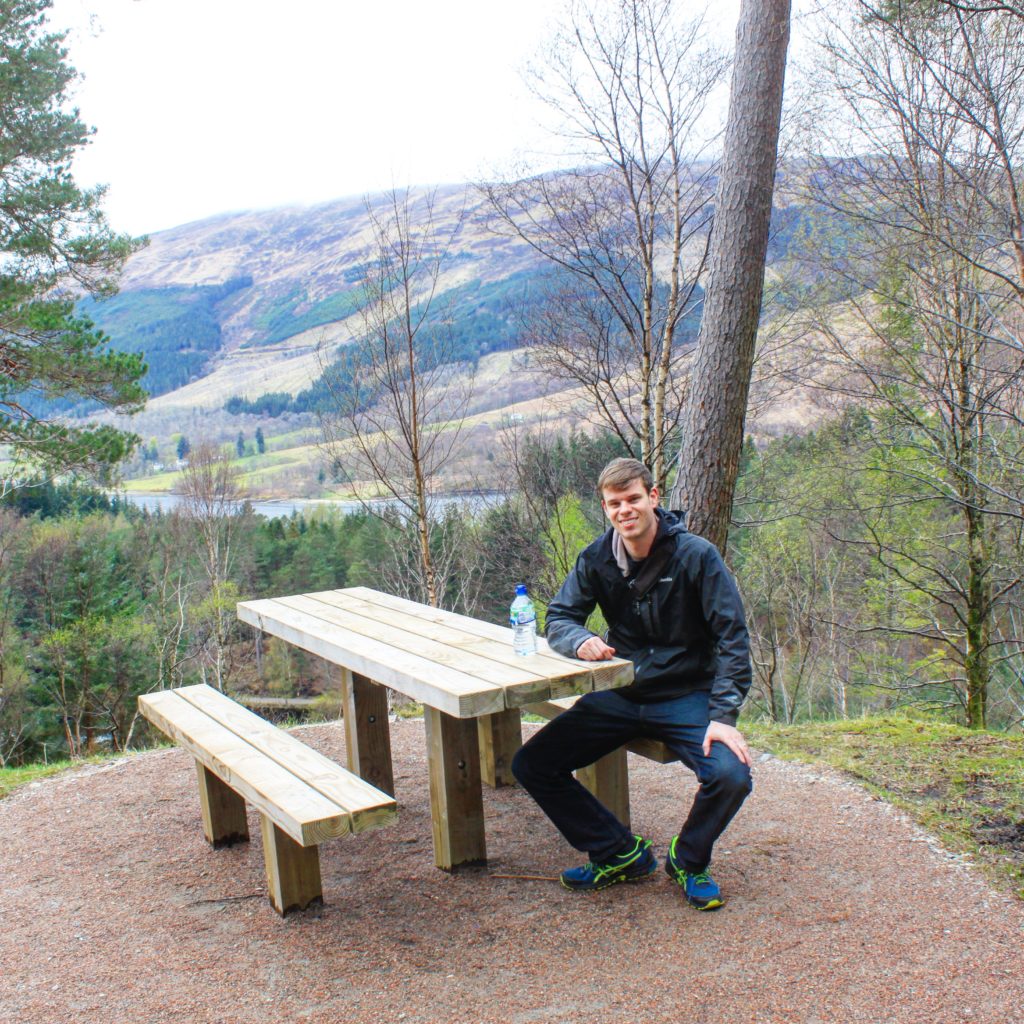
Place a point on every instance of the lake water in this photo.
(289, 506)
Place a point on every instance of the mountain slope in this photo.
(238, 304)
(256, 303)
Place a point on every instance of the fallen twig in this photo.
(230, 899)
(528, 878)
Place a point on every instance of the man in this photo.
(674, 611)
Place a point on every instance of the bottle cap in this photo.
(520, 590)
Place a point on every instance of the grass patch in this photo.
(158, 483)
(13, 777)
(964, 785)
(408, 709)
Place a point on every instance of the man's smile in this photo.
(632, 511)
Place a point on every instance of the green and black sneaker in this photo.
(633, 865)
(700, 888)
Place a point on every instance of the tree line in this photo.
(856, 594)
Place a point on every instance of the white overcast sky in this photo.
(207, 106)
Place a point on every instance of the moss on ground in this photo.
(964, 785)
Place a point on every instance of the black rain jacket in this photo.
(688, 633)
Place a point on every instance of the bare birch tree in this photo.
(929, 271)
(13, 674)
(624, 233)
(1017, 10)
(397, 400)
(212, 502)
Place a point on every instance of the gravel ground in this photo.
(840, 910)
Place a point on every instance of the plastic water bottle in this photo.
(523, 620)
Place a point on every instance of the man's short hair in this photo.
(620, 473)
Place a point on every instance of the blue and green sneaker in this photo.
(701, 889)
(633, 865)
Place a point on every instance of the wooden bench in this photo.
(608, 778)
(303, 798)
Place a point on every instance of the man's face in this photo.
(630, 510)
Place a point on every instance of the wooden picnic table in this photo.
(471, 683)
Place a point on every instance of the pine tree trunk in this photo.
(720, 381)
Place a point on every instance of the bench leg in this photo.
(501, 735)
(456, 798)
(367, 733)
(608, 780)
(293, 871)
(224, 820)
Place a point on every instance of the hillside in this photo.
(246, 298)
(256, 303)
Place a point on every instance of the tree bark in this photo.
(720, 381)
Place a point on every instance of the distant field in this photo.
(503, 392)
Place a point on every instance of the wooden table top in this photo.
(457, 664)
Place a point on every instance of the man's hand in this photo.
(719, 732)
(594, 649)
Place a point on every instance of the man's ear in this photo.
(654, 495)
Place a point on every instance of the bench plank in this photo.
(300, 811)
(438, 686)
(302, 797)
(365, 805)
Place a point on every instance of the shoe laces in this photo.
(626, 859)
(700, 877)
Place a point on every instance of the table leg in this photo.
(501, 735)
(608, 780)
(456, 798)
(367, 733)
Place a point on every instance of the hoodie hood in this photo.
(670, 524)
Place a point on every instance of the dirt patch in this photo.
(1002, 832)
(839, 911)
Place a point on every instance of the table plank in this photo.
(525, 679)
(401, 638)
(566, 676)
(477, 627)
(439, 686)
(448, 629)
